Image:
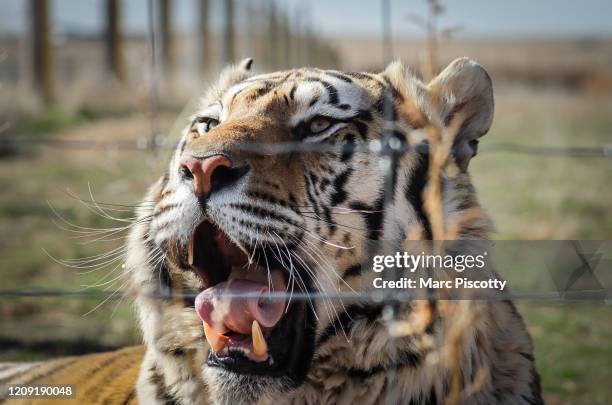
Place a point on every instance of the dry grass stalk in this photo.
(463, 315)
(459, 317)
(440, 144)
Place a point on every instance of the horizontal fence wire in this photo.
(145, 144)
(378, 296)
(571, 151)
(387, 148)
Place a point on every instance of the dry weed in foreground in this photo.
(459, 316)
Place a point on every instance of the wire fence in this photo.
(155, 141)
(382, 149)
(389, 297)
(160, 142)
(161, 44)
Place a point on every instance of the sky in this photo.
(478, 18)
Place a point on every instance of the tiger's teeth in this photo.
(215, 339)
(260, 347)
(190, 252)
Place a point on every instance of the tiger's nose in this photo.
(202, 171)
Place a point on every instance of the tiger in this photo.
(261, 219)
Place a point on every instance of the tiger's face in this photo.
(272, 191)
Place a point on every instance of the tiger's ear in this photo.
(231, 75)
(465, 88)
(246, 64)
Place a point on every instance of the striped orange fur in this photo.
(104, 378)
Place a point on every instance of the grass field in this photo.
(529, 197)
(572, 349)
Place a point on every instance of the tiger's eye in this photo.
(319, 124)
(203, 125)
(211, 124)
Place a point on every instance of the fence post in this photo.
(249, 32)
(286, 39)
(308, 46)
(297, 38)
(204, 40)
(228, 32)
(42, 49)
(432, 68)
(273, 48)
(114, 40)
(166, 48)
(387, 46)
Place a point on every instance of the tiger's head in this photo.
(274, 187)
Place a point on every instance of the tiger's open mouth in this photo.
(247, 320)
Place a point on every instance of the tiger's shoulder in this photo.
(108, 377)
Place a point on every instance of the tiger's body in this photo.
(104, 378)
(301, 219)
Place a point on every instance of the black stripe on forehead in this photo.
(313, 101)
(236, 95)
(340, 76)
(266, 77)
(396, 94)
(292, 92)
(266, 87)
(386, 100)
(331, 89)
(365, 77)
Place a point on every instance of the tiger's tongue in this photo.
(224, 307)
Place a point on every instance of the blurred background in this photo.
(94, 93)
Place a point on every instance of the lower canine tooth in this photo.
(260, 347)
(215, 339)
